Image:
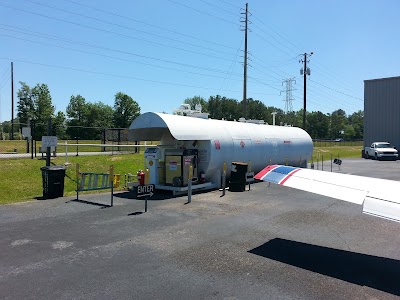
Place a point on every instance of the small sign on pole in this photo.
(49, 141)
(26, 132)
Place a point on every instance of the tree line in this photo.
(82, 119)
(318, 125)
(85, 120)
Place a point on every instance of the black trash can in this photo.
(237, 182)
(53, 181)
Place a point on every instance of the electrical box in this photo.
(177, 166)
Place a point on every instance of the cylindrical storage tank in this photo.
(221, 141)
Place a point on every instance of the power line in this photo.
(5, 81)
(109, 49)
(118, 58)
(132, 61)
(202, 12)
(327, 87)
(275, 40)
(216, 6)
(115, 75)
(227, 2)
(147, 24)
(127, 27)
(277, 33)
(232, 65)
(116, 33)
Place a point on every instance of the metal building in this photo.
(382, 111)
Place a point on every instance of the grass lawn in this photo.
(324, 153)
(21, 179)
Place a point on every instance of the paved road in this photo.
(62, 154)
(267, 243)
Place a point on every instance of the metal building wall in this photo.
(382, 111)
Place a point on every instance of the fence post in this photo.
(190, 183)
(77, 181)
(112, 184)
(224, 179)
(322, 163)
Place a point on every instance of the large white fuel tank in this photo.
(220, 141)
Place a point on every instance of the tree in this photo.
(125, 110)
(76, 112)
(26, 109)
(196, 100)
(99, 116)
(44, 109)
(77, 108)
(356, 119)
(349, 132)
(318, 125)
(338, 123)
(58, 125)
(223, 108)
(256, 110)
(36, 104)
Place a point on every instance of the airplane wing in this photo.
(379, 197)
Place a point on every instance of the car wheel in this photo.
(376, 156)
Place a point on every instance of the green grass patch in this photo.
(326, 153)
(21, 179)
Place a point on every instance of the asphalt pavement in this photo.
(271, 242)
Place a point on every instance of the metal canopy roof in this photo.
(152, 126)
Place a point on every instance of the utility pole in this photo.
(48, 149)
(245, 63)
(305, 72)
(12, 102)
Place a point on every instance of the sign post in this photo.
(145, 191)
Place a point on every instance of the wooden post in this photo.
(223, 179)
(112, 184)
(77, 181)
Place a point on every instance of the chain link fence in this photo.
(72, 140)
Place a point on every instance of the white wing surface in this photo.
(379, 197)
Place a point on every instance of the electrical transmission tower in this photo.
(288, 98)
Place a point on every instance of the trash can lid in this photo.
(239, 163)
(53, 168)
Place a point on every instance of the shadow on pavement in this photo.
(89, 202)
(158, 195)
(366, 270)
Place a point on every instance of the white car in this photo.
(381, 150)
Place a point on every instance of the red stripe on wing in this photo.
(264, 171)
(288, 176)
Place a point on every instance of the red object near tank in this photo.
(140, 177)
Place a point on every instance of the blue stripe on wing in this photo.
(278, 174)
(284, 169)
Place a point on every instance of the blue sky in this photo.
(162, 51)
